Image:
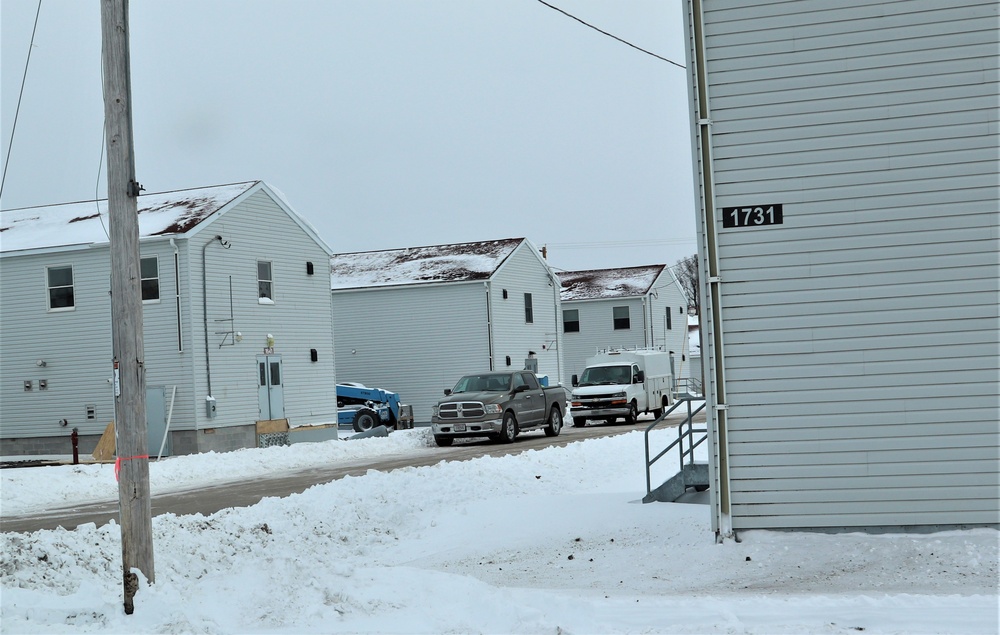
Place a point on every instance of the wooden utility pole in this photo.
(132, 463)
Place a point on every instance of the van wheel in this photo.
(509, 428)
(633, 414)
(555, 422)
(579, 422)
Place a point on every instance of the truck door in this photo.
(529, 405)
(642, 394)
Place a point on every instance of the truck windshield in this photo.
(598, 375)
(480, 383)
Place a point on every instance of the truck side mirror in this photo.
(447, 392)
(640, 377)
(575, 380)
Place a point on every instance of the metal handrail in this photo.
(685, 429)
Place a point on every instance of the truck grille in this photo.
(461, 410)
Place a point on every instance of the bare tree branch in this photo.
(686, 270)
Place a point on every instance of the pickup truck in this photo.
(498, 405)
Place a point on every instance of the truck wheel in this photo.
(555, 422)
(633, 414)
(443, 441)
(509, 429)
(579, 422)
(365, 419)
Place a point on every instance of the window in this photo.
(265, 282)
(620, 315)
(149, 272)
(669, 326)
(529, 314)
(571, 321)
(60, 284)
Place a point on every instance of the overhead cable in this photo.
(569, 15)
(24, 77)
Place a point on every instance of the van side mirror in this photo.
(640, 377)
(575, 380)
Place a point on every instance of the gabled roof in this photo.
(84, 223)
(595, 284)
(419, 265)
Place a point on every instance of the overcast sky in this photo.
(386, 124)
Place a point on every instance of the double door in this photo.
(270, 395)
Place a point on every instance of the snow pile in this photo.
(549, 541)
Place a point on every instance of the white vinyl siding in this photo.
(76, 345)
(299, 321)
(597, 326)
(413, 340)
(524, 272)
(860, 335)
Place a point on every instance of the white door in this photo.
(269, 391)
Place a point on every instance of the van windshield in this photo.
(606, 375)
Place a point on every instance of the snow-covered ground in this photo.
(551, 541)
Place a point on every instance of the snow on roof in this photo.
(608, 283)
(85, 222)
(416, 265)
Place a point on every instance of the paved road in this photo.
(209, 500)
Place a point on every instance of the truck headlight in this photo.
(618, 395)
(434, 410)
(492, 409)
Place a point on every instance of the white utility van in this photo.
(622, 383)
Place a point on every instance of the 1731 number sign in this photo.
(752, 216)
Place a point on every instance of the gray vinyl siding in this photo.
(74, 344)
(647, 315)
(414, 340)
(524, 272)
(166, 365)
(299, 319)
(861, 335)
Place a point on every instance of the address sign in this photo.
(752, 215)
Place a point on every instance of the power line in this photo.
(610, 244)
(569, 15)
(17, 110)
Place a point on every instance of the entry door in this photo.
(269, 392)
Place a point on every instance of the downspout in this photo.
(722, 507)
(645, 321)
(204, 306)
(489, 323)
(556, 290)
(177, 294)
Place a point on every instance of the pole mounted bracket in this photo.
(134, 187)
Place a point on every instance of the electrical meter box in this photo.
(210, 407)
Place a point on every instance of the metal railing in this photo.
(685, 432)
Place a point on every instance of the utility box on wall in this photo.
(210, 407)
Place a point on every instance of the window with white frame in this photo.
(265, 282)
(60, 288)
(529, 313)
(621, 318)
(149, 273)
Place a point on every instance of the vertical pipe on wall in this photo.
(177, 294)
(721, 500)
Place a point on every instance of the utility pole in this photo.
(132, 462)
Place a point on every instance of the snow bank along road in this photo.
(245, 493)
